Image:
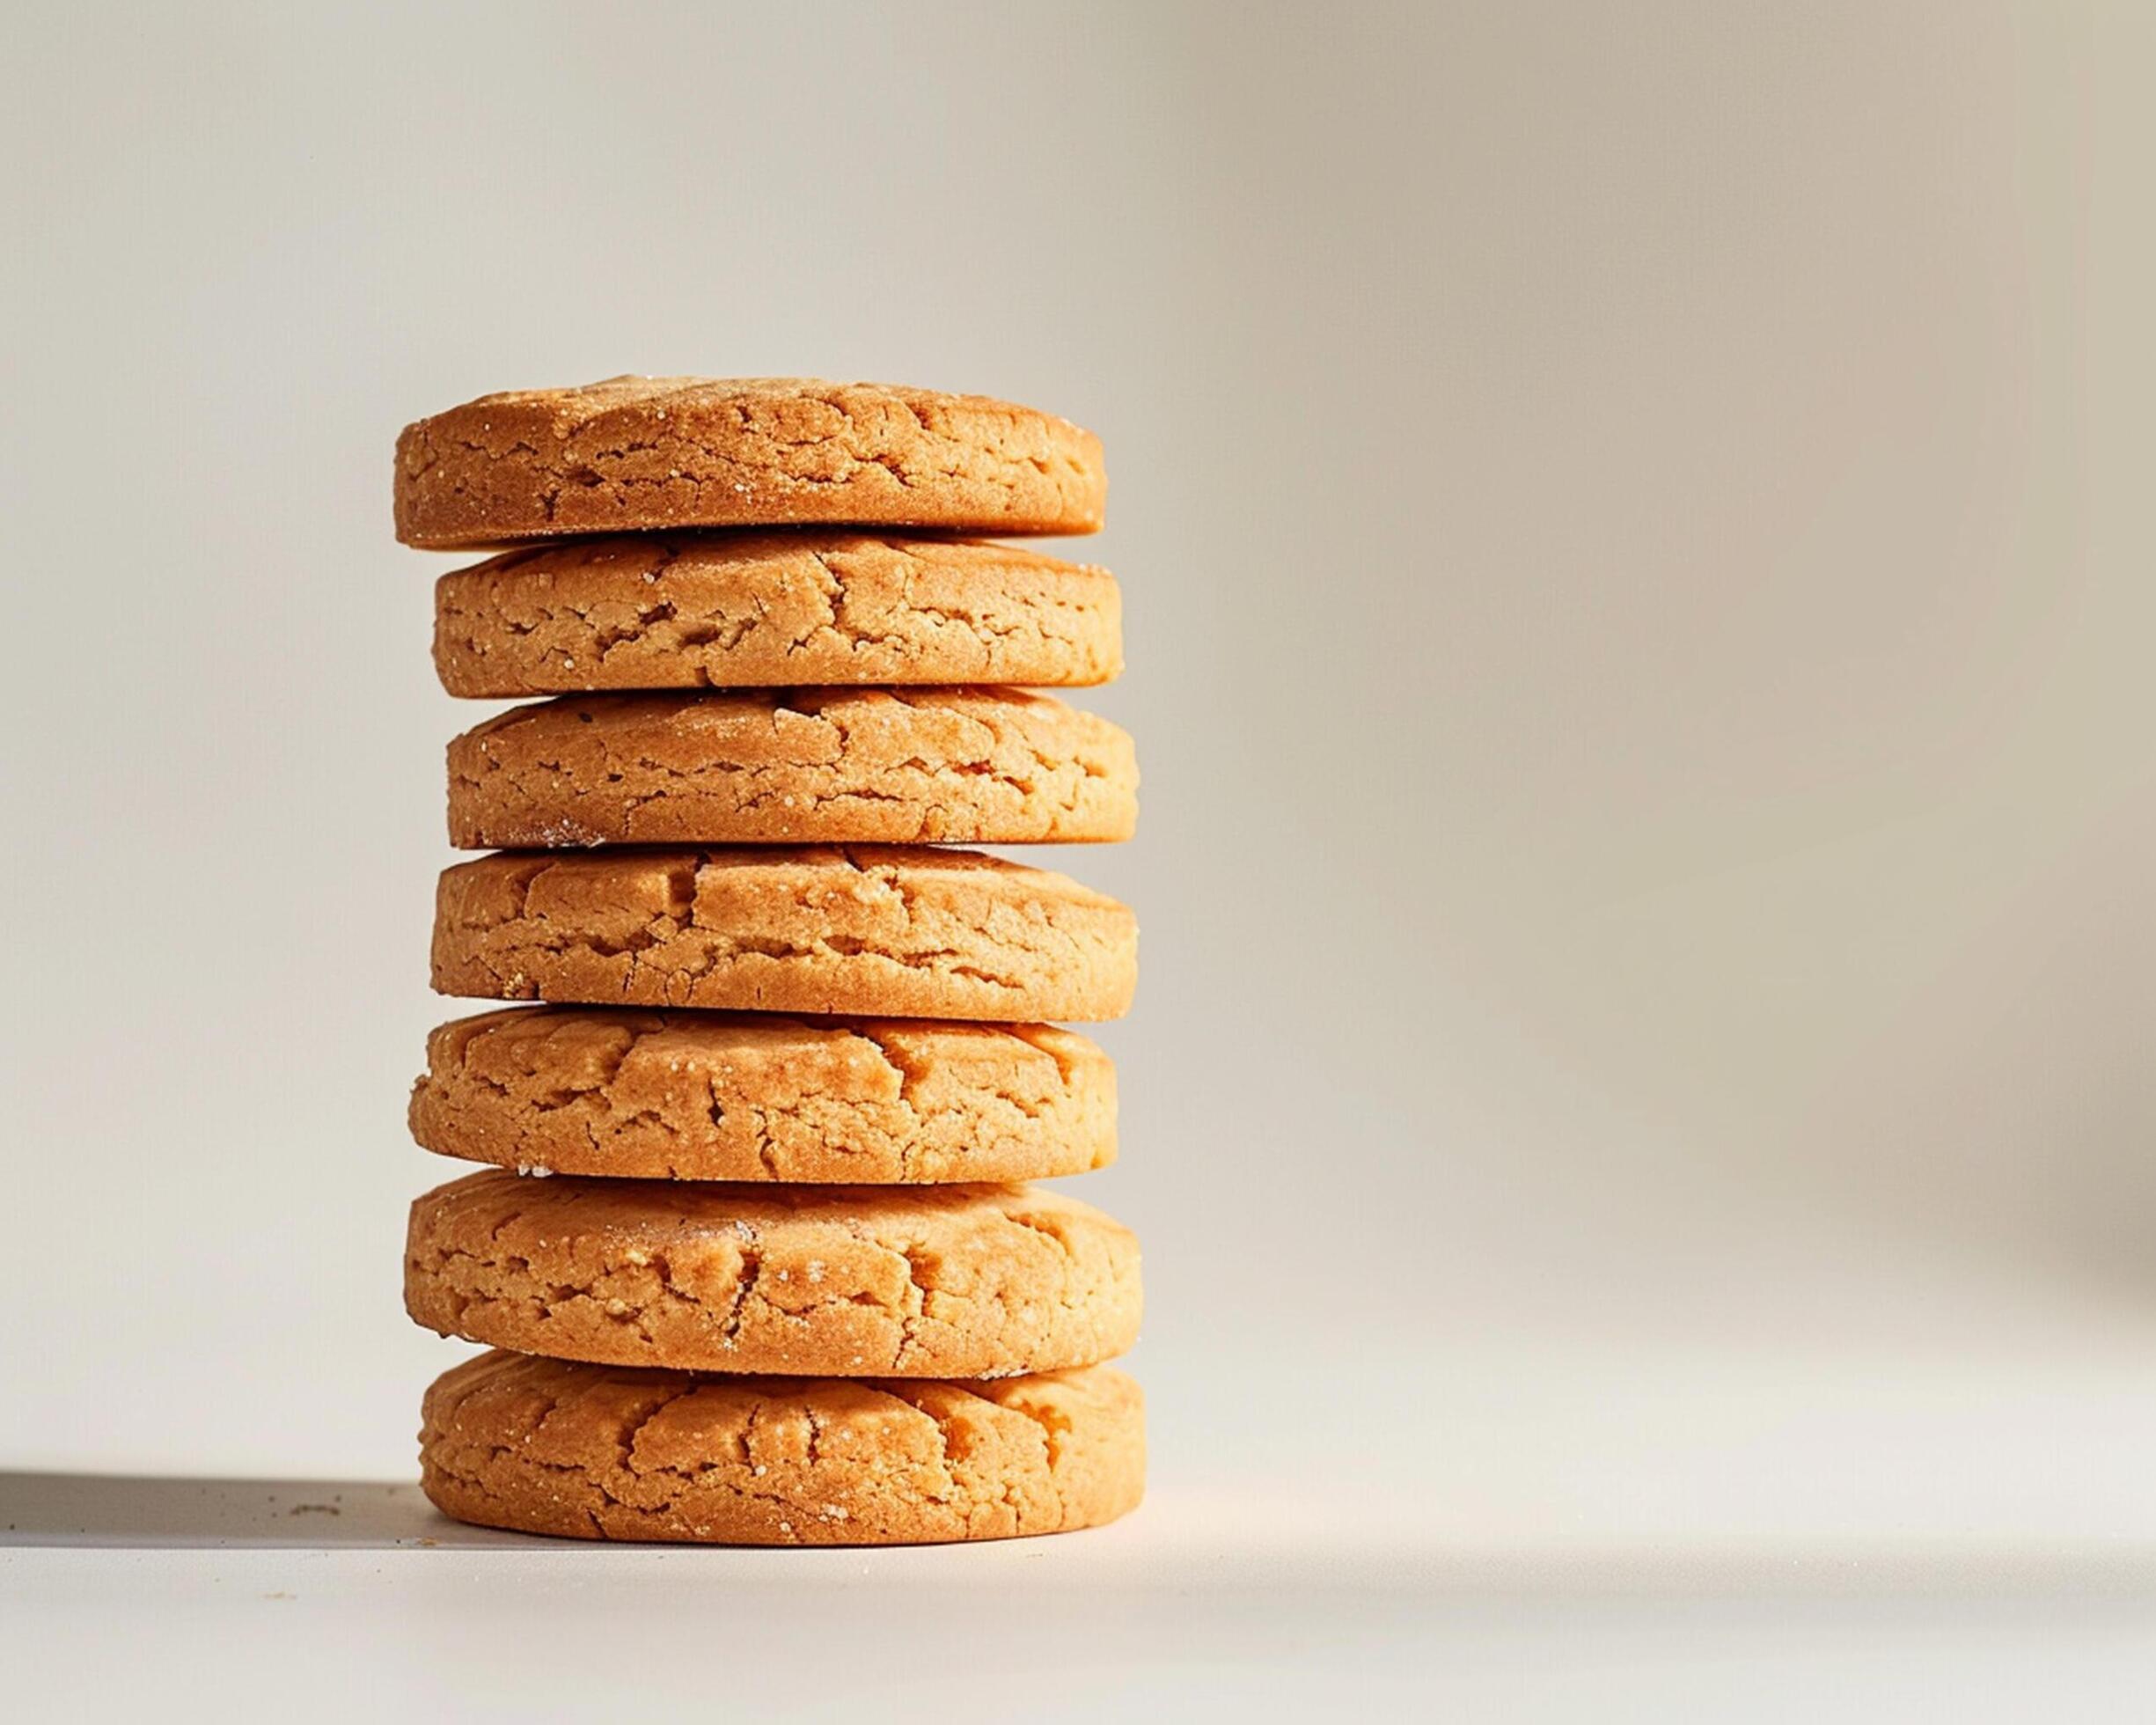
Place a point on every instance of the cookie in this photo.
(766, 610)
(902, 1282)
(866, 931)
(635, 454)
(689, 1096)
(597, 1453)
(792, 766)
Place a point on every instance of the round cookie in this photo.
(792, 766)
(767, 610)
(750, 1097)
(903, 1281)
(635, 454)
(598, 1452)
(868, 931)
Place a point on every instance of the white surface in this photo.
(225, 1600)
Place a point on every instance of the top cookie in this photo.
(636, 454)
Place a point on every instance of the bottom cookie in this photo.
(604, 1452)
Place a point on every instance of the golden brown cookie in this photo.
(867, 931)
(984, 766)
(903, 1281)
(691, 611)
(634, 454)
(599, 1452)
(693, 1096)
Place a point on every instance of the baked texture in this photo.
(839, 765)
(747, 610)
(634, 454)
(690, 1095)
(907, 1282)
(875, 931)
(597, 1453)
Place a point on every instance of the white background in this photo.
(1635, 527)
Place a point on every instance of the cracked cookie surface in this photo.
(595, 1452)
(859, 931)
(765, 610)
(908, 1281)
(755, 1097)
(965, 766)
(634, 454)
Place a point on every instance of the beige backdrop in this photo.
(1641, 585)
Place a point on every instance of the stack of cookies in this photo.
(754, 1250)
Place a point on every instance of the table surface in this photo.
(122, 1596)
